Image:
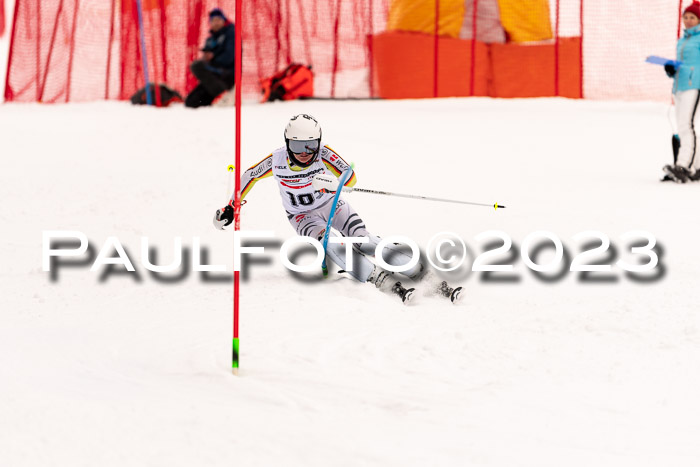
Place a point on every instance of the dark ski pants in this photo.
(212, 82)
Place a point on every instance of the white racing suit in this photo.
(308, 210)
(349, 224)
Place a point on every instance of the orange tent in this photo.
(419, 16)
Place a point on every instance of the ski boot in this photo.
(405, 294)
(678, 173)
(446, 291)
(378, 277)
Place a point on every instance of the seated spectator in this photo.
(215, 70)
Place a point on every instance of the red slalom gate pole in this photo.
(556, 53)
(472, 71)
(436, 48)
(370, 49)
(237, 199)
(580, 51)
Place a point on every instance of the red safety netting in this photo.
(618, 36)
(73, 50)
(2, 17)
(330, 35)
(77, 50)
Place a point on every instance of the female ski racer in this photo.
(293, 167)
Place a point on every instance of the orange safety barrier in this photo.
(520, 70)
(404, 63)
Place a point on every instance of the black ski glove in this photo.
(223, 217)
(670, 70)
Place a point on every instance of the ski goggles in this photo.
(309, 146)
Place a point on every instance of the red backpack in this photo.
(294, 82)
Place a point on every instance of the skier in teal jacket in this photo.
(686, 95)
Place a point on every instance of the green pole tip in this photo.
(234, 360)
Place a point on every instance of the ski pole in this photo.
(343, 178)
(426, 198)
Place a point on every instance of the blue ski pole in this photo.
(343, 178)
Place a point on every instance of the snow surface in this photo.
(123, 372)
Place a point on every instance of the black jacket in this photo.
(223, 44)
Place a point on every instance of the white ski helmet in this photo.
(303, 134)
